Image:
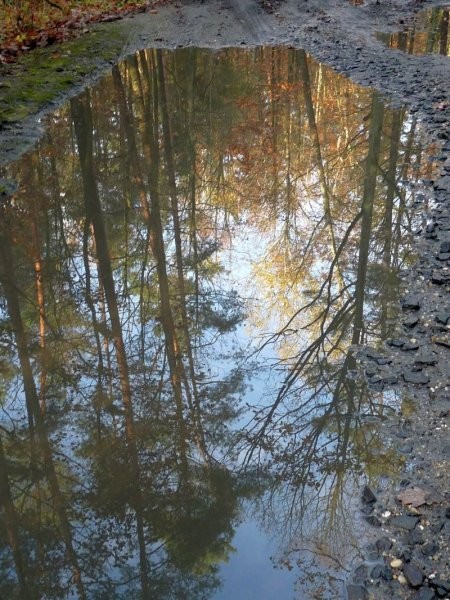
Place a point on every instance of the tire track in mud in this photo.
(253, 20)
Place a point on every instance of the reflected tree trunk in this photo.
(370, 180)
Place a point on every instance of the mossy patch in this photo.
(43, 75)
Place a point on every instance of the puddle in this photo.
(429, 34)
(194, 247)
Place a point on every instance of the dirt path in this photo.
(343, 37)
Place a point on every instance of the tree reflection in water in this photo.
(186, 195)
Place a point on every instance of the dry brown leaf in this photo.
(415, 496)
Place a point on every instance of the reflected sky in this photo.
(196, 246)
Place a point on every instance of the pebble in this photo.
(396, 563)
(402, 579)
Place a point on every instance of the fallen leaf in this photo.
(415, 496)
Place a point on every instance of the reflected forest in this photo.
(195, 248)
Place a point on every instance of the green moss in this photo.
(43, 75)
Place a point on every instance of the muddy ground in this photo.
(343, 37)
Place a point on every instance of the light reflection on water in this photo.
(429, 34)
(196, 246)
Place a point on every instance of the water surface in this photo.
(196, 245)
(429, 34)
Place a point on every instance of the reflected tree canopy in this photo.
(197, 245)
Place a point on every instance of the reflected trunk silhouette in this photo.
(82, 118)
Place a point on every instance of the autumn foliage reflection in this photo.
(188, 194)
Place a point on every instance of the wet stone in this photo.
(443, 317)
(441, 587)
(438, 278)
(384, 361)
(381, 572)
(424, 594)
(360, 574)
(367, 496)
(396, 342)
(373, 521)
(425, 360)
(404, 522)
(357, 592)
(383, 545)
(416, 377)
(410, 346)
(429, 548)
(411, 302)
(410, 322)
(390, 379)
(413, 574)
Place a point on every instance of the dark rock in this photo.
(360, 574)
(415, 377)
(444, 247)
(441, 587)
(367, 496)
(438, 278)
(424, 594)
(384, 361)
(410, 322)
(381, 572)
(429, 548)
(395, 342)
(410, 346)
(357, 592)
(447, 512)
(373, 521)
(413, 574)
(390, 379)
(383, 545)
(411, 302)
(404, 522)
(425, 360)
(443, 256)
(443, 317)
(373, 354)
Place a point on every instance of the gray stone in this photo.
(443, 256)
(383, 545)
(413, 574)
(396, 342)
(404, 522)
(410, 346)
(444, 247)
(357, 592)
(416, 377)
(443, 317)
(410, 322)
(429, 548)
(438, 278)
(424, 359)
(381, 572)
(373, 521)
(411, 302)
(424, 594)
